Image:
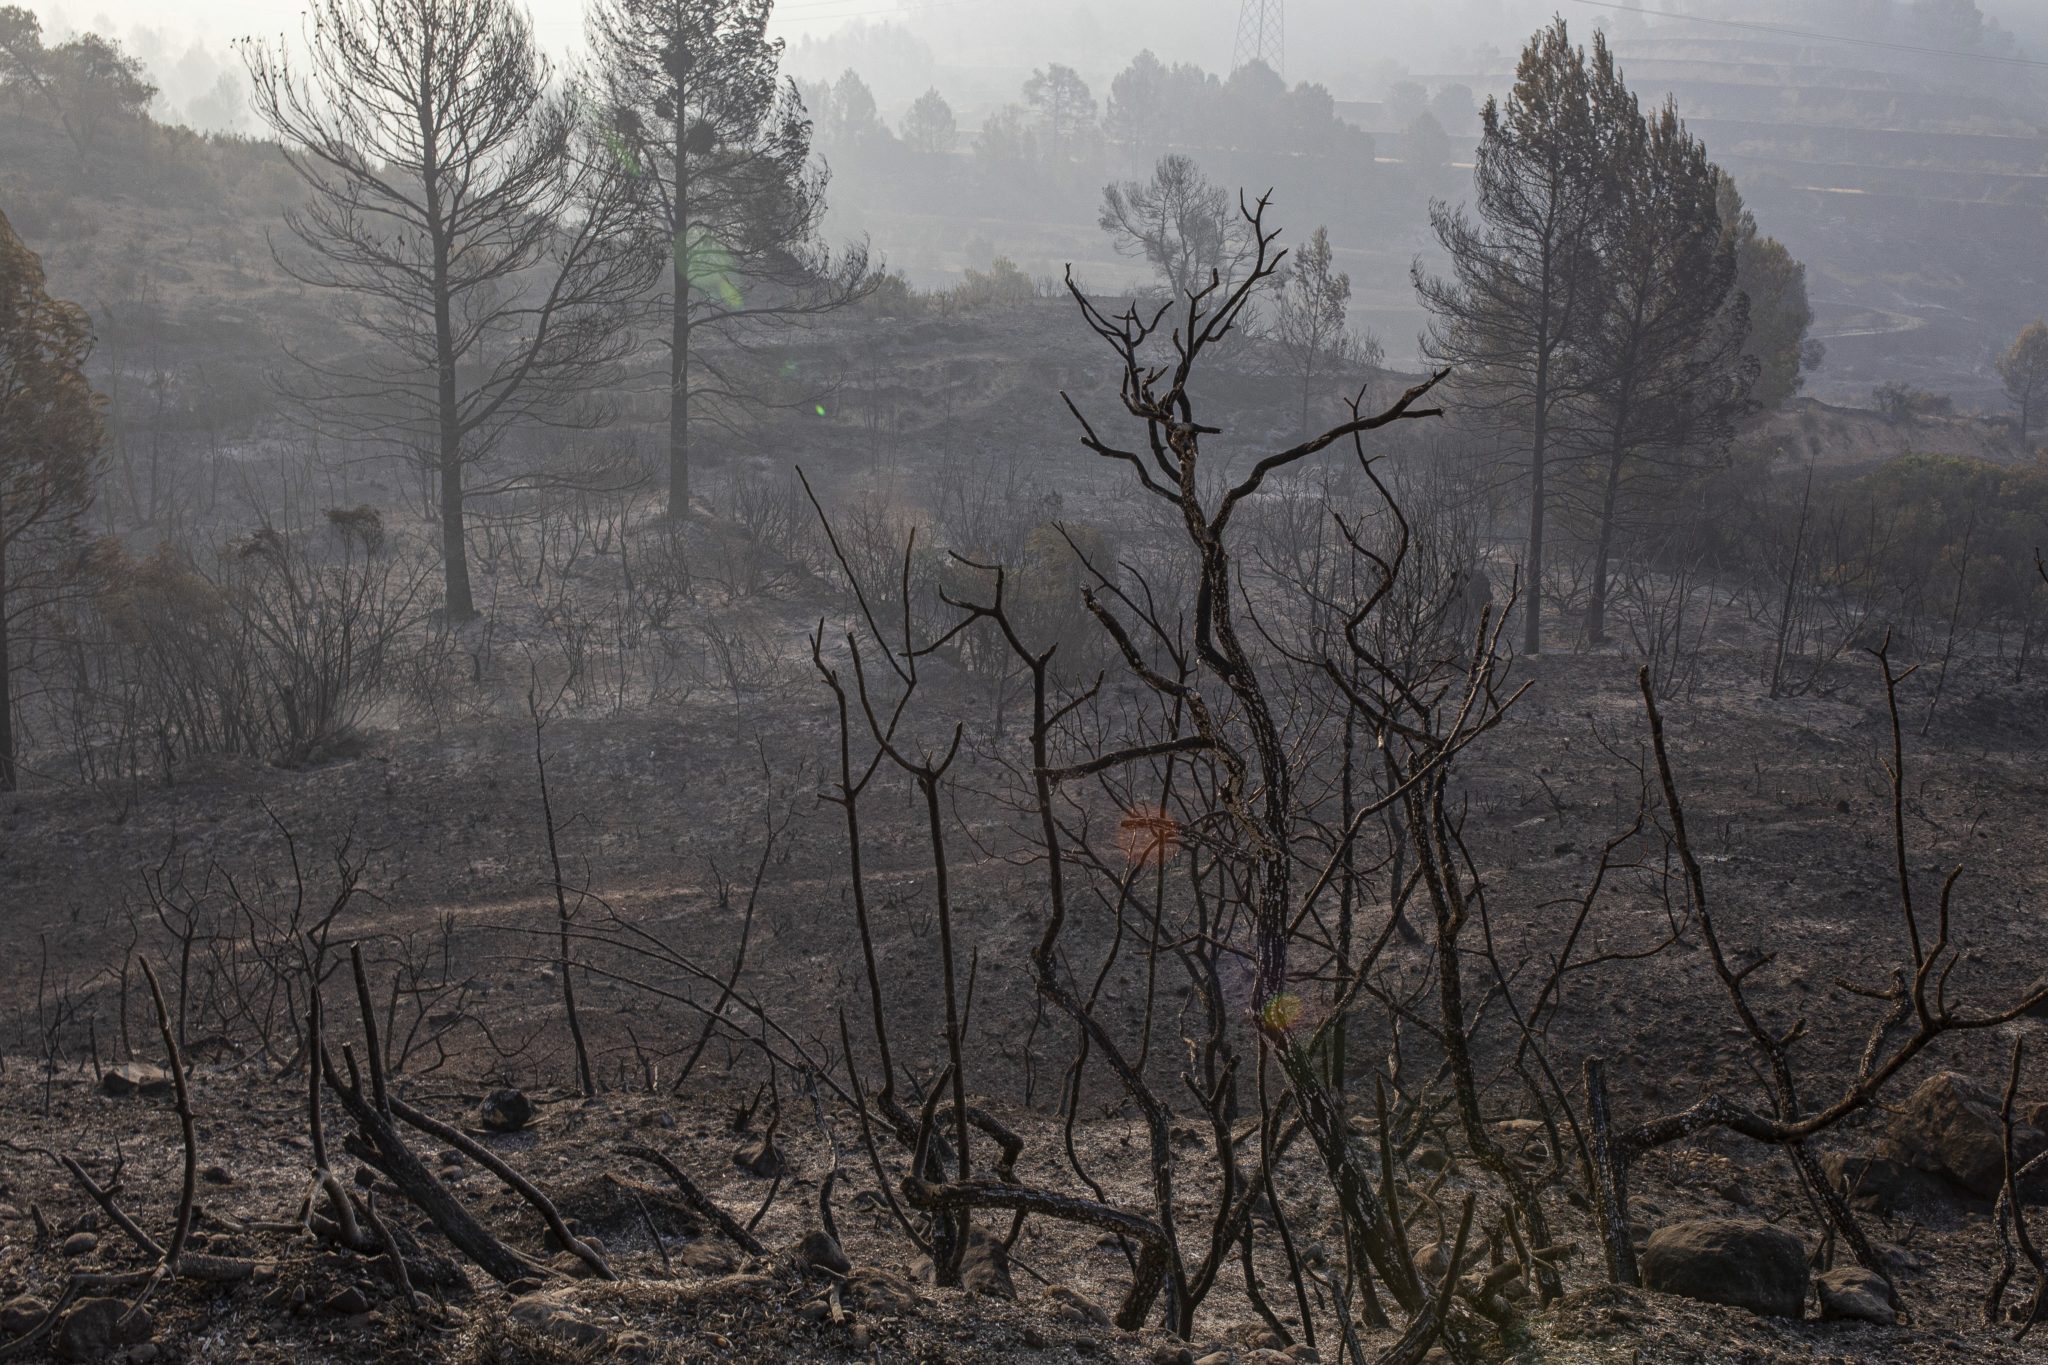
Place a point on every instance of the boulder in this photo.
(1849, 1293)
(93, 1329)
(21, 1313)
(882, 1292)
(346, 1302)
(1074, 1306)
(135, 1078)
(1736, 1261)
(1881, 1183)
(553, 1315)
(505, 1111)
(820, 1250)
(985, 1268)
(706, 1257)
(760, 1157)
(1950, 1126)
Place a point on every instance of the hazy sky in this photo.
(979, 48)
(1336, 41)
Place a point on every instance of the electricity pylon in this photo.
(1260, 35)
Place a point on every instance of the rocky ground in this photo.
(688, 1293)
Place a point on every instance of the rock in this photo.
(80, 1244)
(821, 1251)
(95, 1328)
(985, 1268)
(759, 1157)
(1433, 1260)
(346, 1302)
(20, 1313)
(1950, 1125)
(706, 1257)
(1882, 1183)
(1849, 1293)
(136, 1078)
(1215, 1358)
(568, 1263)
(1172, 1355)
(1073, 1306)
(553, 1316)
(1737, 1261)
(506, 1111)
(882, 1292)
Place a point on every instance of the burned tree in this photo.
(49, 451)
(725, 189)
(481, 254)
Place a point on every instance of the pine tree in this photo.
(2024, 369)
(1064, 102)
(1661, 358)
(1772, 286)
(1522, 275)
(1309, 321)
(50, 427)
(481, 254)
(929, 127)
(721, 149)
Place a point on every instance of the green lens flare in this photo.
(821, 409)
(707, 266)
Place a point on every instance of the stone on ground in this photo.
(1741, 1262)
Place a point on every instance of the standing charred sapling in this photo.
(473, 240)
(49, 450)
(1420, 723)
(720, 157)
(1213, 769)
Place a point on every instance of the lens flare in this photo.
(707, 265)
(1147, 835)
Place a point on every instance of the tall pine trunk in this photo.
(1596, 601)
(461, 605)
(8, 778)
(679, 401)
(1532, 631)
(679, 328)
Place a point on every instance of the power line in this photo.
(1781, 31)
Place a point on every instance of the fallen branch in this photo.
(697, 1199)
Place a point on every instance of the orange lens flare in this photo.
(1147, 835)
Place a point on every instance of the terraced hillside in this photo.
(1918, 198)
